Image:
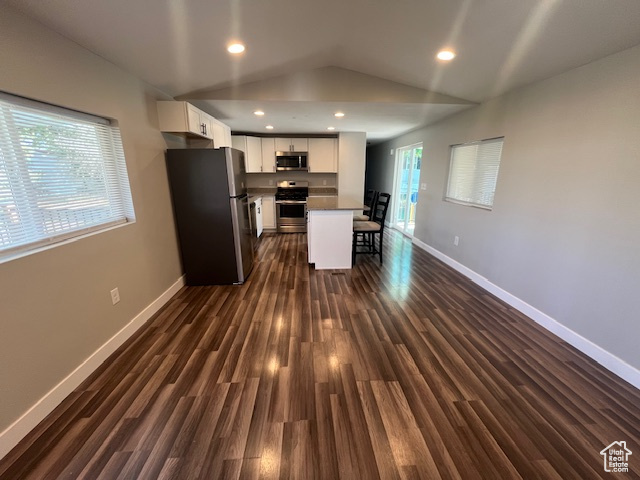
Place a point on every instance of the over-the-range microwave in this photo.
(287, 161)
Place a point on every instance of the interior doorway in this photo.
(406, 186)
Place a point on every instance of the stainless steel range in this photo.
(291, 206)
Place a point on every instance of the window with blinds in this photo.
(62, 174)
(473, 172)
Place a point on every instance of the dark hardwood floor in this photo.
(403, 371)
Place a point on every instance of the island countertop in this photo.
(338, 202)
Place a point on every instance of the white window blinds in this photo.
(473, 172)
(62, 174)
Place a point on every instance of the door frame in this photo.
(396, 173)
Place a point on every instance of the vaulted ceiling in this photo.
(372, 59)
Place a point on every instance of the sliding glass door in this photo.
(405, 193)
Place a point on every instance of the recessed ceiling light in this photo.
(258, 112)
(235, 48)
(269, 127)
(446, 55)
(331, 128)
(338, 114)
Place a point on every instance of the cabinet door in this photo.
(269, 211)
(239, 142)
(259, 224)
(268, 155)
(300, 144)
(254, 155)
(283, 144)
(221, 134)
(323, 155)
(226, 131)
(194, 124)
(206, 123)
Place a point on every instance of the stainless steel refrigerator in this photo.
(208, 189)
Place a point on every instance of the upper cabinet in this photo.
(260, 153)
(182, 117)
(268, 155)
(292, 144)
(221, 133)
(252, 148)
(323, 155)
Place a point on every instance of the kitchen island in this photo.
(330, 230)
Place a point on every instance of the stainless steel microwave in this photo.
(287, 161)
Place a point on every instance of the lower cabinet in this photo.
(329, 237)
(269, 212)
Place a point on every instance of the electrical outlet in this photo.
(270, 182)
(324, 182)
(456, 240)
(423, 186)
(391, 152)
(115, 295)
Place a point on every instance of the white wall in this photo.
(563, 234)
(55, 307)
(351, 164)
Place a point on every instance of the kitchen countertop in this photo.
(338, 202)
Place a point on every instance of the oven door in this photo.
(291, 216)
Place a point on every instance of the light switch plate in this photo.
(115, 296)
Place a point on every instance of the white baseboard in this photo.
(599, 354)
(10, 437)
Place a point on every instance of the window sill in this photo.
(24, 253)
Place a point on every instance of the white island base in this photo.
(330, 231)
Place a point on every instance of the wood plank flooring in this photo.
(406, 371)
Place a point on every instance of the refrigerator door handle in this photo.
(242, 238)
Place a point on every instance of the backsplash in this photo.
(315, 179)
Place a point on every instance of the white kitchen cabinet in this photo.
(323, 155)
(269, 211)
(221, 134)
(268, 155)
(292, 144)
(252, 148)
(182, 117)
(329, 237)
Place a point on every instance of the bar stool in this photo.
(369, 200)
(364, 233)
